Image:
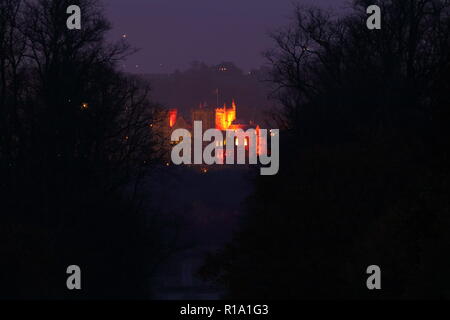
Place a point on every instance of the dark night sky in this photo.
(173, 33)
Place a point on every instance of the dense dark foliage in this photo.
(364, 160)
(75, 143)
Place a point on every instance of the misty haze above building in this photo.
(212, 87)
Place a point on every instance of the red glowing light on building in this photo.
(172, 117)
(261, 146)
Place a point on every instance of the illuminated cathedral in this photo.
(221, 118)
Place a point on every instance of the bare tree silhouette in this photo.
(362, 180)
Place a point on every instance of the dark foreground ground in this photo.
(201, 211)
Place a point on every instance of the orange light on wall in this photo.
(225, 117)
(261, 146)
(220, 119)
(172, 117)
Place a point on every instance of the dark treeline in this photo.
(74, 144)
(364, 173)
